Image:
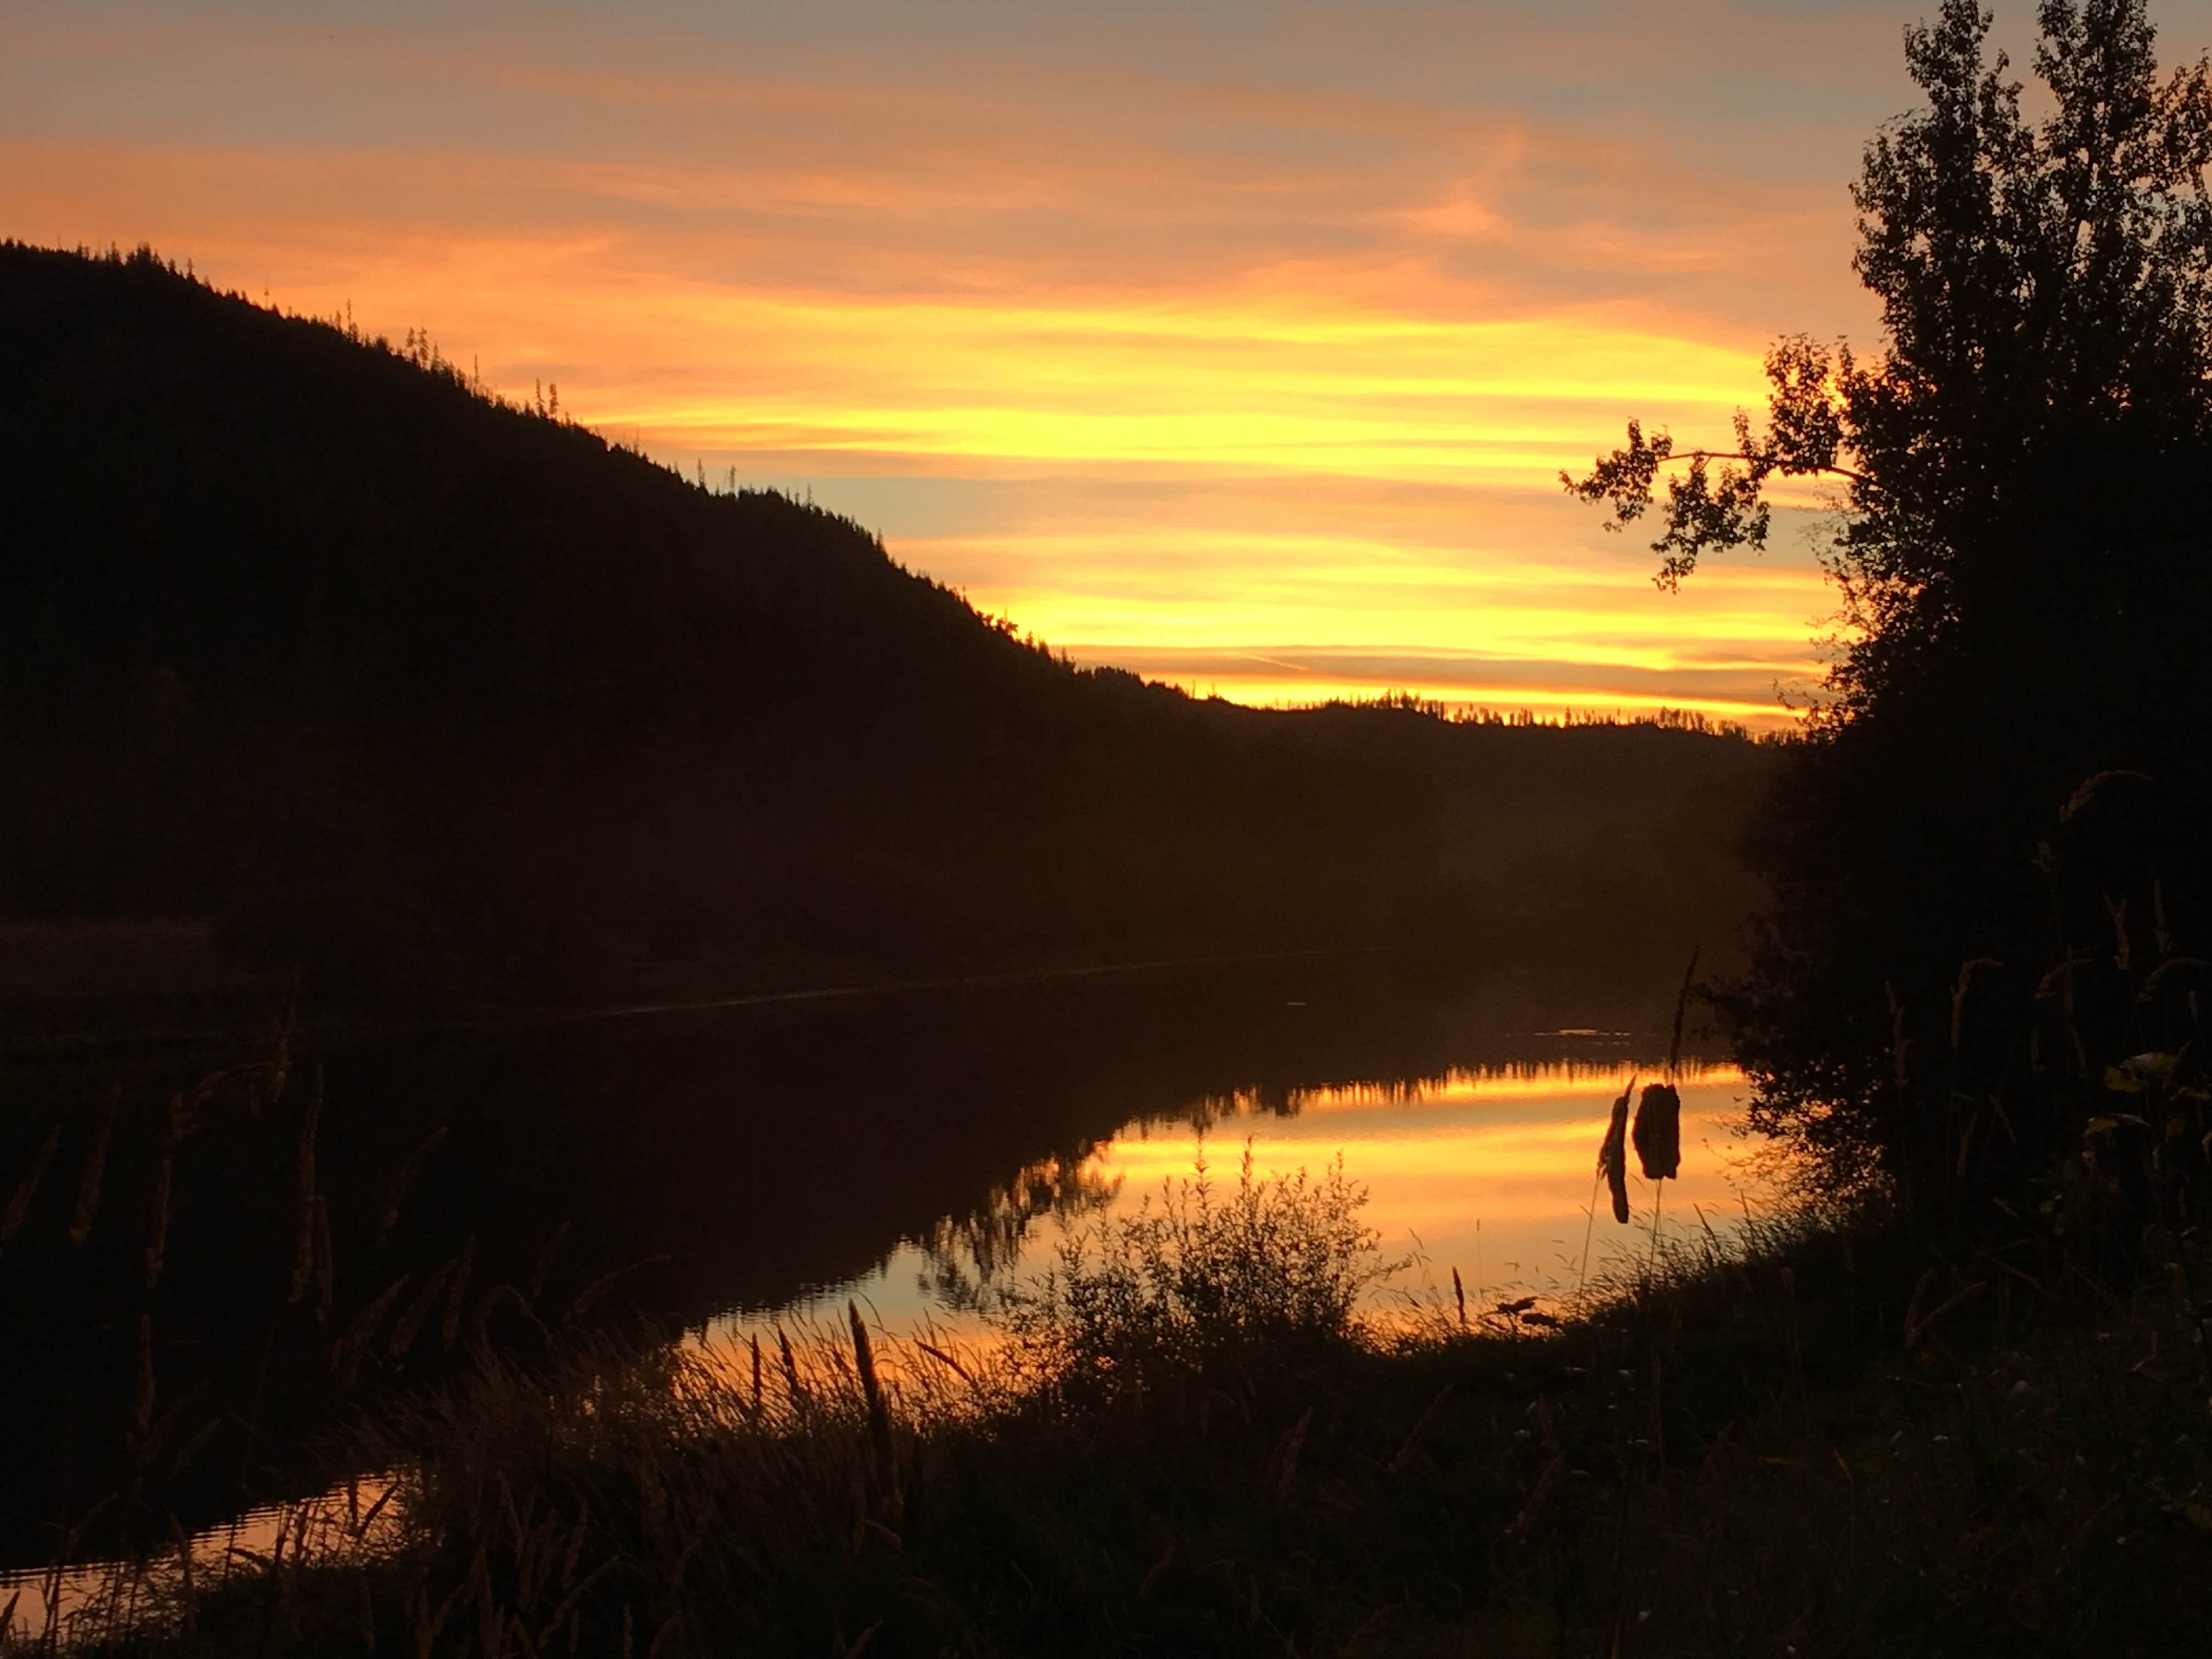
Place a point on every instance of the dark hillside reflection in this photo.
(726, 1162)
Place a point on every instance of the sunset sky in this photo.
(1238, 343)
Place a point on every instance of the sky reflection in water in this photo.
(1487, 1170)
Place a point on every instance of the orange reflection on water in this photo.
(1490, 1172)
(55, 1609)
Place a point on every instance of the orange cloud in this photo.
(1290, 342)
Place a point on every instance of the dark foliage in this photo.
(1826, 1443)
(2020, 550)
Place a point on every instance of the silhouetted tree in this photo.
(2045, 288)
(2018, 547)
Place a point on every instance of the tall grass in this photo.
(1826, 1433)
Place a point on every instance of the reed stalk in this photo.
(457, 1294)
(885, 1465)
(19, 1206)
(387, 1215)
(325, 1265)
(93, 1169)
(303, 1226)
(545, 1264)
(142, 1413)
(157, 1237)
(795, 1389)
(1613, 1154)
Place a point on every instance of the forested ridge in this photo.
(308, 633)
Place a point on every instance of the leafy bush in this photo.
(1201, 1279)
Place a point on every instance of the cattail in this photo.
(880, 1420)
(1965, 980)
(2116, 911)
(27, 1188)
(1459, 1295)
(1658, 1131)
(194, 1445)
(388, 1216)
(1613, 1154)
(491, 1628)
(588, 1296)
(142, 1417)
(325, 1263)
(1283, 1461)
(575, 1544)
(346, 1352)
(1399, 1464)
(1525, 1522)
(303, 1227)
(96, 1166)
(1900, 1045)
(791, 1370)
(498, 1296)
(545, 1261)
(280, 1059)
(157, 1241)
(755, 1340)
(182, 1541)
(411, 1321)
(457, 1295)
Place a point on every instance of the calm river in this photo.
(744, 1167)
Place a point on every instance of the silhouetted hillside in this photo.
(303, 632)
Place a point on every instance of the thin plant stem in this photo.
(1589, 1234)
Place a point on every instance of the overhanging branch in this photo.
(1737, 455)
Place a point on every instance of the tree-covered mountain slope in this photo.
(305, 632)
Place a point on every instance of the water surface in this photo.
(754, 1167)
(1488, 1170)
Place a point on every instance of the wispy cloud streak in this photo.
(1191, 337)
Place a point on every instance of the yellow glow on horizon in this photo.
(1544, 703)
(1348, 454)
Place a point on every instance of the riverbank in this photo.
(96, 989)
(1830, 1439)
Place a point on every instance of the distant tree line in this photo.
(310, 633)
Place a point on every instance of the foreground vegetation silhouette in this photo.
(1813, 1438)
(2009, 769)
(1953, 1402)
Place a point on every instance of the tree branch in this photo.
(1737, 455)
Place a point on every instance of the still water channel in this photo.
(747, 1168)
(1487, 1171)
